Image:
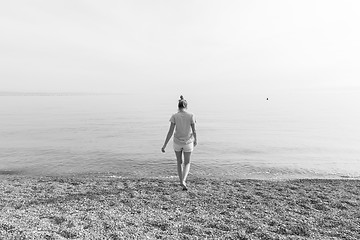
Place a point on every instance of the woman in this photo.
(184, 139)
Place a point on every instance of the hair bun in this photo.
(182, 103)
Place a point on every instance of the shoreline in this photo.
(209, 176)
(94, 207)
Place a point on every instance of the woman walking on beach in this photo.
(185, 139)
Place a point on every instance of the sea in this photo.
(292, 135)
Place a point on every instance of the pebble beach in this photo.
(108, 207)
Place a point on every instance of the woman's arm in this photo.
(169, 135)
(194, 133)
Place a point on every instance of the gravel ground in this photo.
(92, 207)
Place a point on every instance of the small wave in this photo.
(349, 177)
(113, 176)
(10, 172)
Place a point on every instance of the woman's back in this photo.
(182, 121)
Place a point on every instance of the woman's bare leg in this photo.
(186, 168)
(179, 165)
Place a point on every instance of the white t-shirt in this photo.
(183, 133)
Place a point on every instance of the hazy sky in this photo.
(165, 45)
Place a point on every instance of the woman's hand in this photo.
(195, 143)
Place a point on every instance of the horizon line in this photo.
(49, 93)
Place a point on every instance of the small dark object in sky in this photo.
(267, 98)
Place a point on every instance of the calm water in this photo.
(305, 135)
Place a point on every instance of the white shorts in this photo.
(185, 148)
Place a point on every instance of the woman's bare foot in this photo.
(184, 186)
